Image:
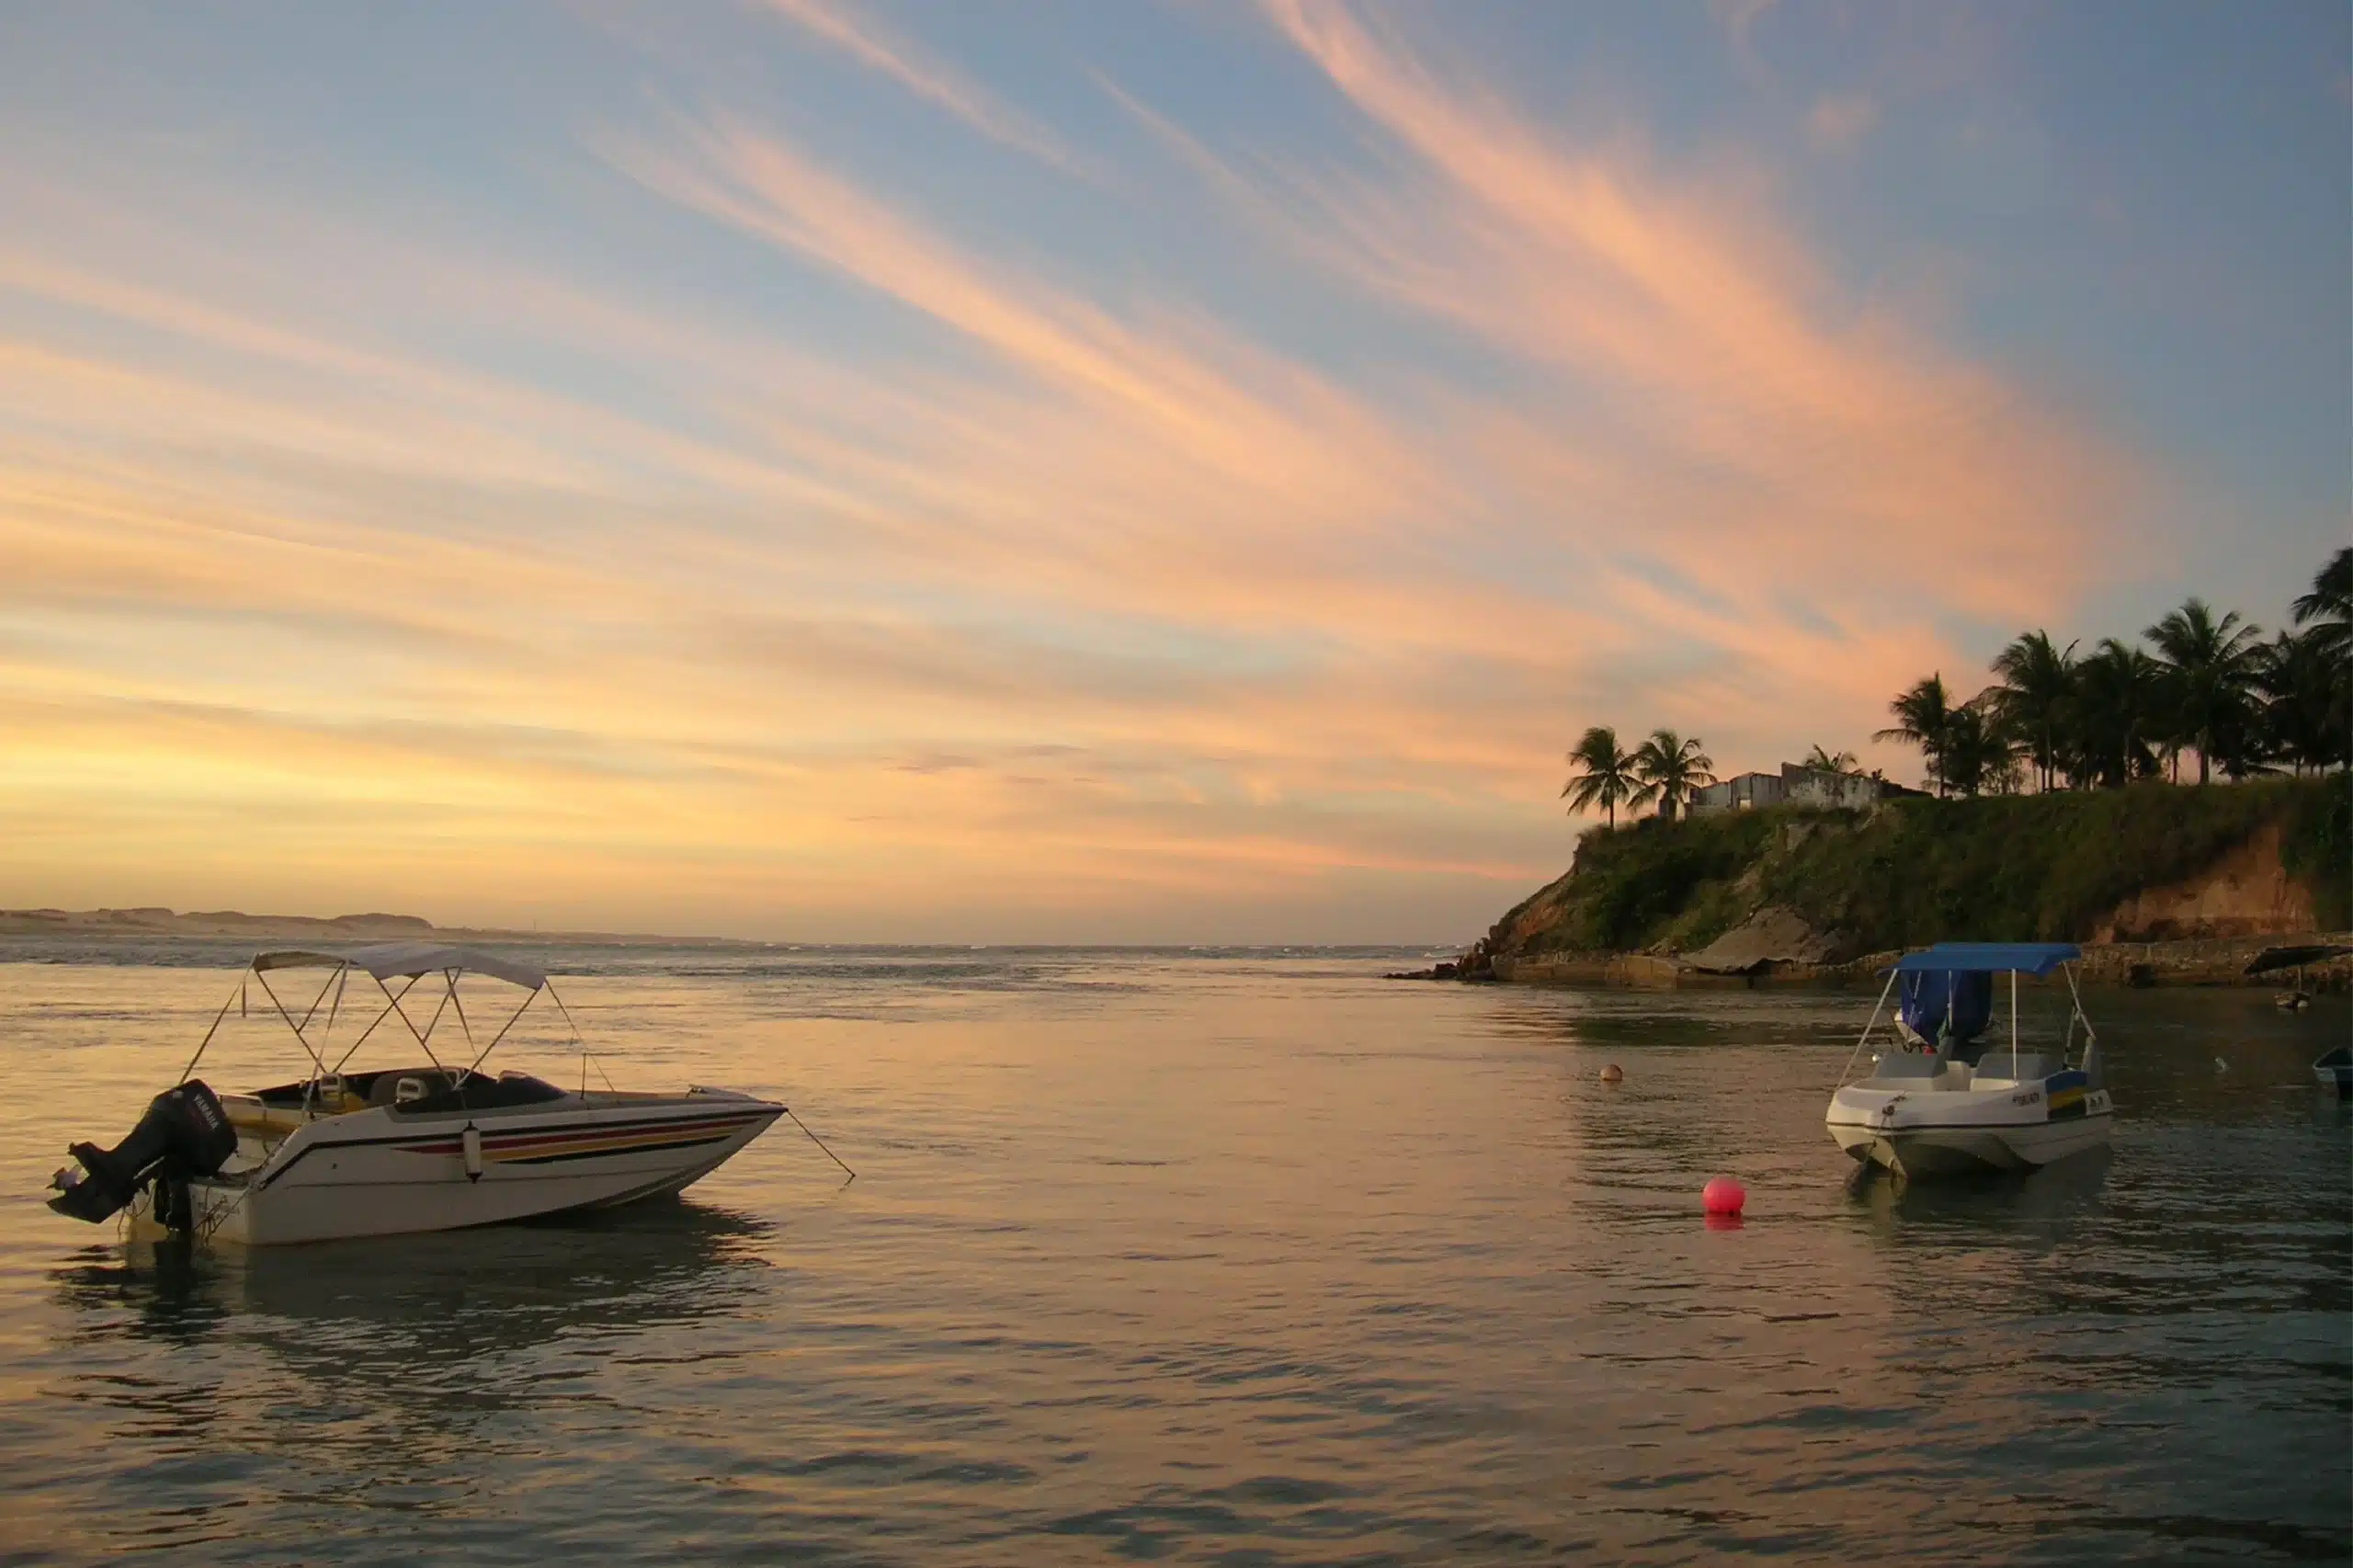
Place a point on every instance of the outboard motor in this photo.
(185, 1133)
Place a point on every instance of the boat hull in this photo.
(376, 1173)
(1915, 1131)
(1962, 1151)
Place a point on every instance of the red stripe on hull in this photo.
(519, 1141)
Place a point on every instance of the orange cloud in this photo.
(1705, 320)
(872, 46)
(1060, 598)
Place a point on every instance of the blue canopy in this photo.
(2026, 958)
(1938, 1002)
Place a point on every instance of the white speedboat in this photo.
(1941, 1100)
(437, 1147)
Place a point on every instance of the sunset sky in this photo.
(1095, 471)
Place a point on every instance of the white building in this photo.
(1794, 784)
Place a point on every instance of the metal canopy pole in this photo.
(315, 1060)
(2090, 1065)
(582, 1044)
(421, 1040)
(1868, 1026)
(450, 975)
(501, 1034)
(2014, 1026)
(312, 1011)
(379, 1019)
(207, 1040)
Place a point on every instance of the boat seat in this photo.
(385, 1088)
(478, 1091)
(2032, 1068)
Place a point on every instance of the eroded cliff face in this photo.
(1786, 893)
(2247, 892)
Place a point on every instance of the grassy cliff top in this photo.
(2020, 867)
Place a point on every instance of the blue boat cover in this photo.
(1992, 958)
(1928, 994)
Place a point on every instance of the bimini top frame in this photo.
(389, 960)
(2013, 958)
(382, 962)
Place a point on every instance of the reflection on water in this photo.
(1994, 1202)
(416, 1308)
(1225, 1258)
(404, 1373)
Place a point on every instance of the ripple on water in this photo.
(1222, 1259)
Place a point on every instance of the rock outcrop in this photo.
(2247, 892)
(1773, 938)
(2182, 876)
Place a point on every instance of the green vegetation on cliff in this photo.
(2043, 867)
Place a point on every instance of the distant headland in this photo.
(2056, 815)
(154, 921)
(2161, 884)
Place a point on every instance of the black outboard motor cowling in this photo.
(185, 1133)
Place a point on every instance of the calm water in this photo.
(1206, 1257)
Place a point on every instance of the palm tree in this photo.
(2118, 700)
(1604, 776)
(2211, 667)
(2330, 605)
(2305, 721)
(1978, 753)
(2037, 680)
(1670, 768)
(1822, 760)
(1924, 717)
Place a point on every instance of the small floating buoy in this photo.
(1723, 1196)
(2220, 1065)
(1612, 1073)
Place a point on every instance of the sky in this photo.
(1083, 471)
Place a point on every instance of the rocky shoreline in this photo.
(2159, 884)
(2210, 962)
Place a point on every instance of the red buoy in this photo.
(1612, 1074)
(1723, 1196)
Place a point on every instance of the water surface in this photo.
(1224, 1258)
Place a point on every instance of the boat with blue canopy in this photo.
(1944, 1096)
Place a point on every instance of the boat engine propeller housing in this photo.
(185, 1133)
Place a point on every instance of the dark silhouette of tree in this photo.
(2308, 701)
(1924, 717)
(1603, 775)
(2210, 667)
(2119, 703)
(1824, 760)
(1978, 753)
(1670, 768)
(2328, 609)
(2038, 684)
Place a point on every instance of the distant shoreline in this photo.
(155, 921)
